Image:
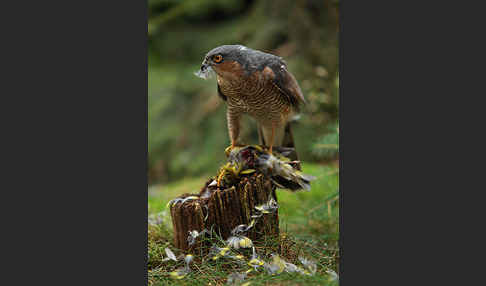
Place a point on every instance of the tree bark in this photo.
(225, 209)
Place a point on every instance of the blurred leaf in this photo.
(327, 146)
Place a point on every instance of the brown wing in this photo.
(286, 83)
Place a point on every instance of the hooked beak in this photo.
(205, 71)
(205, 65)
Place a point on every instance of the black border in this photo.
(77, 138)
(77, 117)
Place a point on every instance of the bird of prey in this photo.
(258, 84)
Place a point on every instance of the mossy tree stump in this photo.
(223, 210)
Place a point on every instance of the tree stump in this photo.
(222, 210)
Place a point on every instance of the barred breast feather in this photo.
(257, 96)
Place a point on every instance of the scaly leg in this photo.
(272, 138)
(233, 118)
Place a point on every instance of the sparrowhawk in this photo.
(259, 84)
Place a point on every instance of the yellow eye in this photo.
(217, 58)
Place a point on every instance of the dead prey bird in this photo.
(282, 171)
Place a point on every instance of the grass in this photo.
(309, 226)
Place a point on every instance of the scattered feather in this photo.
(252, 224)
(188, 259)
(173, 202)
(180, 273)
(205, 74)
(242, 228)
(239, 229)
(255, 261)
(181, 200)
(183, 271)
(308, 264)
(217, 252)
(268, 207)
(190, 198)
(239, 241)
(206, 194)
(333, 275)
(193, 234)
(277, 265)
(170, 255)
(245, 242)
(237, 257)
(233, 241)
(157, 219)
(214, 183)
(290, 267)
(235, 278)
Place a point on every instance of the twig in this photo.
(330, 146)
(329, 200)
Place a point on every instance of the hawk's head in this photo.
(234, 61)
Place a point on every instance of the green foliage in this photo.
(179, 119)
(163, 13)
(327, 146)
